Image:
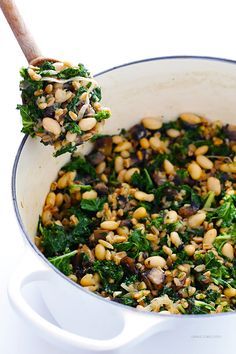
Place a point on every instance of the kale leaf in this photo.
(73, 127)
(142, 180)
(67, 148)
(83, 167)
(101, 115)
(225, 212)
(28, 119)
(72, 72)
(47, 65)
(229, 235)
(111, 274)
(54, 239)
(63, 262)
(95, 204)
(73, 104)
(96, 95)
(136, 243)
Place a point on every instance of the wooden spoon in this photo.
(23, 36)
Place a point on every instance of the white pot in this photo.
(87, 323)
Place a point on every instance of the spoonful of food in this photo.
(60, 102)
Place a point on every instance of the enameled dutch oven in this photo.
(84, 322)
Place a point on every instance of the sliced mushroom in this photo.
(138, 132)
(98, 234)
(104, 145)
(187, 210)
(80, 263)
(95, 158)
(129, 264)
(156, 276)
(230, 131)
(126, 222)
(101, 189)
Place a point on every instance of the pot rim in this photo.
(41, 255)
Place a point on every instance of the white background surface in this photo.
(100, 34)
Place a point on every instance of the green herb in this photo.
(73, 72)
(226, 212)
(136, 243)
(63, 262)
(212, 295)
(130, 279)
(98, 136)
(157, 162)
(203, 307)
(182, 174)
(125, 300)
(142, 180)
(73, 188)
(73, 127)
(54, 239)
(220, 274)
(93, 204)
(83, 167)
(46, 66)
(68, 148)
(210, 199)
(160, 192)
(96, 95)
(194, 199)
(111, 274)
(73, 104)
(101, 115)
(229, 235)
(173, 294)
(28, 119)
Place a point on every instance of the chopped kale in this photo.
(63, 262)
(98, 136)
(142, 180)
(73, 188)
(102, 115)
(225, 212)
(28, 118)
(54, 239)
(136, 243)
(96, 95)
(83, 167)
(229, 235)
(73, 127)
(46, 66)
(73, 72)
(73, 104)
(111, 274)
(93, 204)
(68, 148)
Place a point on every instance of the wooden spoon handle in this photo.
(19, 29)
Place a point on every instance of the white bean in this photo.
(51, 125)
(87, 124)
(204, 162)
(213, 184)
(152, 123)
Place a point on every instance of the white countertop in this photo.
(100, 34)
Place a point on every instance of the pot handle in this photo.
(65, 339)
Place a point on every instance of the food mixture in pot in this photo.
(60, 104)
(148, 218)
